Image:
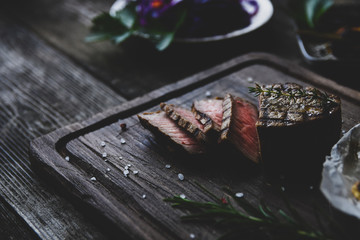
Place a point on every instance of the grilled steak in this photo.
(238, 126)
(209, 113)
(161, 125)
(297, 127)
(185, 119)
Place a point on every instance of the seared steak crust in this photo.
(185, 119)
(159, 123)
(290, 104)
(297, 127)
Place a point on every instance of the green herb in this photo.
(308, 12)
(313, 94)
(126, 23)
(247, 219)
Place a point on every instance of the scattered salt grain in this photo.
(126, 167)
(126, 172)
(122, 141)
(343, 131)
(181, 176)
(192, 236)
(182, 196)
(143, 196)
(104, 155)
(239, 195)
(283, 189)
(108, 169)
(93, 179)
(67, 158)
(129, 165)
(135, 172)
(167, 166)
(120, 158)
(250, 79)
(103, 144)
(208, 94)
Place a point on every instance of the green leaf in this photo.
(164, 41)
(106, 27)
(308, 12)
(95, 37)
(120, 38)
(127, 16)
(162, 34)
(314, 9)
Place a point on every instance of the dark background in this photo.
(50, 78)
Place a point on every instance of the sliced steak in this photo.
(297, 127)
(209, 113)
(238, 126)
(185, 119)
(161, 125)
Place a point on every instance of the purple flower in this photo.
(148, 9)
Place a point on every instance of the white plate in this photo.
(263, 15)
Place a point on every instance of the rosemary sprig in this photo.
(258, 221)
(313, 94)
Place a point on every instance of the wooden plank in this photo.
(135, 68)
(119, 198)
(12, 225)
(41, 90)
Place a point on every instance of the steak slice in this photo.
(238, 126)
(209, 113)
(159, 123)
(185, 119)
(297, 127)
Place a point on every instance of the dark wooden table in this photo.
(50, 78)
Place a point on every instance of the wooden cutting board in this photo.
(98, 182)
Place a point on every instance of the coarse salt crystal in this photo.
(126, 172)
(126, 167)
(208, 94)
(182, 196)
(168, 166)
(181, 176)
(250, 79)
(129, 165)
(122, 141)
(192, 236)
(143, 196)
(103, 144)
(93, 179)
(108, 169)
(239, 195)
(283, 189)
(135, 172)
(104, 155)
(120, 158)
(67, 158)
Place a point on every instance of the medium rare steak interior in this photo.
(161, 125)
(238, 126)
(209, 113)
(297, 127)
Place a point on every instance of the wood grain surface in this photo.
(41, 90)
(118, 198)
